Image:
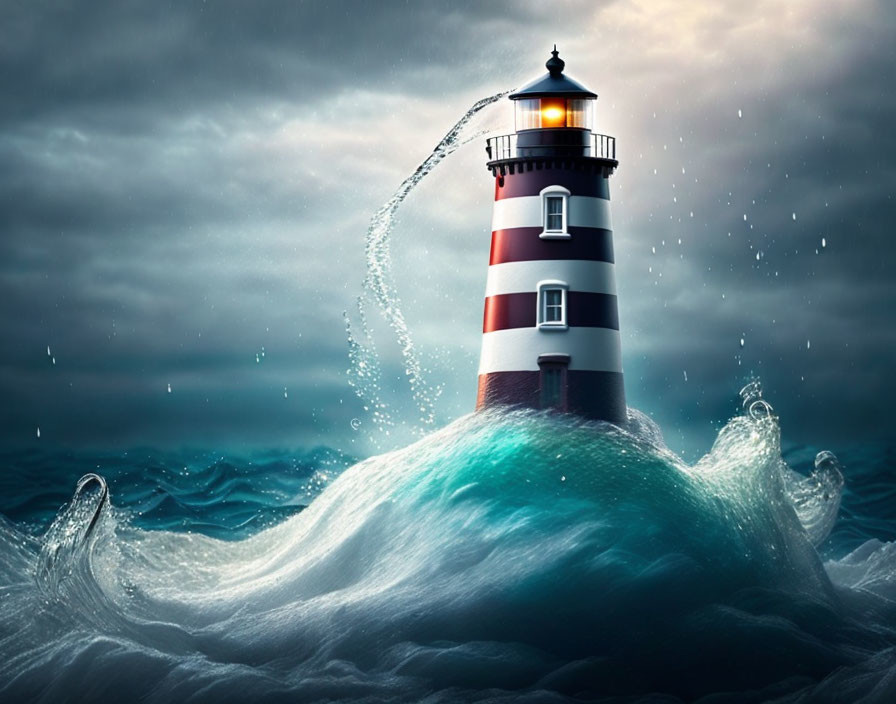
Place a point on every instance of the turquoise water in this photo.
(511, 556)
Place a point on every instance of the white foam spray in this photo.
(379, 290)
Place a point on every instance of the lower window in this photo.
(552, 385)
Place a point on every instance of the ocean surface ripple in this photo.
(511, 556)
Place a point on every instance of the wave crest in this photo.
(507, 555)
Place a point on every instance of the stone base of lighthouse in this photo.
(590, 394)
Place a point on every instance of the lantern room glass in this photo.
(545, 113)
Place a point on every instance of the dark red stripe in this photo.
(594, 395)
(510, 310)
(523, 244)
(519, 310)
(531, 183)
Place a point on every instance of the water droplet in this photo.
(740, 113)
(808, 344)
(742, 342)
(745, 217)
(285, 394)
(685, 375)
(563, 478)
(794, 216)
(824, 243)
(169, 388)
(38, 431)
(760, 409)
(48, 351)
(355, 423)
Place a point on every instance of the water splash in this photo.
(426, 557)
(379, 290)
(752, 402)
(71, 537)
(816, 498)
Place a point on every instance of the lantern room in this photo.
(554, 101)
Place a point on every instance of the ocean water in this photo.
(510, 556)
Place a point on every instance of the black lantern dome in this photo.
(554, 101)
(554, 84)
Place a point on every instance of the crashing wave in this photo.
(512, 554)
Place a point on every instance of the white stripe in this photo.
(527, 211)
(592, 349)
(580, 275)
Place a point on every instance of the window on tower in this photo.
(552, 381)
(555, 202)
(552, 305)
(554, 214)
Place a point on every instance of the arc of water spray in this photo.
(379, 288)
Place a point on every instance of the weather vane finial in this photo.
(555, 64)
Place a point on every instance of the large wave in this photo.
(511, 556)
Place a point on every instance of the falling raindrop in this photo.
(685, 375)
(808, 344)
(742, 342)
(38, 431)
(740, 113)
(794, 216)
(48, 351)
(169, 388)
(285, 394)
(824, 243)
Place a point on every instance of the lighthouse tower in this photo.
(551, 325)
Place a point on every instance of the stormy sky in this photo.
(185, 191)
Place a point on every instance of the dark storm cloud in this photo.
(184, 186)
(89, 57)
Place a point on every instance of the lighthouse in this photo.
(550, 333)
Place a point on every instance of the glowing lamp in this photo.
(553, 113)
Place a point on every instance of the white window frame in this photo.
(552, 285)
(562, 233)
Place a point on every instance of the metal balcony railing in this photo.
(600, 146)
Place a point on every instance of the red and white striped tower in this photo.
(551, 326)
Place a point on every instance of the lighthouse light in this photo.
(553, 113)
(542, 113)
